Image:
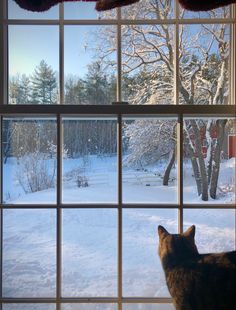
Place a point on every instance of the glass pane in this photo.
(89, 253)
(16, 12)
(90, 64)
(148, 307)
(86, 10)
(89, 306)
(143, 275)
(90, 160)
(204, 64)
(223, 12)
(215, 229)
(209, 160)
(29, 160)
(149, 9)
(29, 307)
(29, 253)
(149, 160)
(33, 72)
(148, 64)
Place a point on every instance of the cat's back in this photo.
(207, 282)
(218, 271)
(224, 259)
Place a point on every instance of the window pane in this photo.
(148, 307)
(28, 307)
(149, 9)
(143, 275)
(29, 253)
(209, 160)
(33, 72)
(86, 10)
(90, 64)
(90, 160)
(81, 306)
(89, 252)
(16, 12)
(149, 160)
(223, 12)
(204, 64)
(29, 160)
(148, 64)
(215, 229)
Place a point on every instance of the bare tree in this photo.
(148, 57)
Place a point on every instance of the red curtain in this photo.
(101, 5)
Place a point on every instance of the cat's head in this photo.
(177, 246)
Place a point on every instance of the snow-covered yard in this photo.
(89, 236)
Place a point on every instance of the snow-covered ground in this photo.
(89, 236)
(101, 175)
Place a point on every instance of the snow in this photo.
(90, 235)
(28, 307)
(138, 186)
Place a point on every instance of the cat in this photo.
(197, 281)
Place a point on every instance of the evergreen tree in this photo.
(19, 90)
(25, 89)
(98, 86)
(44, 85)
(75, 91)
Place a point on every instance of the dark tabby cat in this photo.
(197, 281)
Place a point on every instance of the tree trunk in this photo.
(171, 159)
(171, 162)
(194, 162)
(217, 155)
(196, 171)
(209, 165)
(201, 162)
(209, 156)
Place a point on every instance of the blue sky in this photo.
(29, 45)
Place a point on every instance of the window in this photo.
(85, 177)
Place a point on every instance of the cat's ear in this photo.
(162, 231)
(190, 232)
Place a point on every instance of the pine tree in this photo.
(98, 87)
(44, 85)
(19, 89)
(75, 91)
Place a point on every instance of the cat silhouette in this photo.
(197, 281)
